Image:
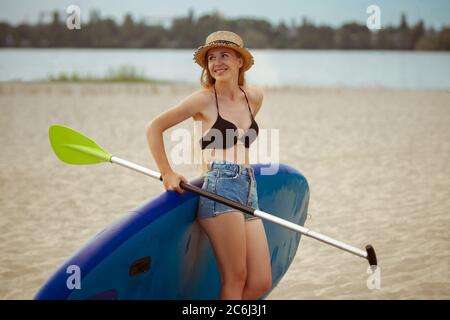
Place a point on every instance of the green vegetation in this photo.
(122, 74)
(190, 32)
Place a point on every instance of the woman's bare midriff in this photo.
(237, 154)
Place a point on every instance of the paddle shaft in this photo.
(369, 254)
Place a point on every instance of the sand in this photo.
(377, 161)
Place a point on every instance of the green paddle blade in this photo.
(74, 148)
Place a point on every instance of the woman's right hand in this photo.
(171, 181)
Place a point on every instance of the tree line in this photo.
(190, 31)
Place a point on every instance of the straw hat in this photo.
(223, 39)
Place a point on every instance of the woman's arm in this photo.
(188, 107)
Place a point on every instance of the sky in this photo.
(435, 13)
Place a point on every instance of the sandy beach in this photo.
(377, 162)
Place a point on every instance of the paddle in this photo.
(74, 148)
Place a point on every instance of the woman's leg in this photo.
(259, 274)
(226, 233)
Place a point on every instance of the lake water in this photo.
(392, 69)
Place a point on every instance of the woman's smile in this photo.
(220, 70)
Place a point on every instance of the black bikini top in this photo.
(224, 134)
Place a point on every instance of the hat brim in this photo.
(200, 53)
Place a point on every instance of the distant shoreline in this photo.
(104, 32)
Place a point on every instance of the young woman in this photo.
(226, 108)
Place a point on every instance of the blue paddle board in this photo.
(158, 250)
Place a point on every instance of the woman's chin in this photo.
(223, 77)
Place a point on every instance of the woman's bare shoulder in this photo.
(200, 97)
(200, 101)
(255, 95)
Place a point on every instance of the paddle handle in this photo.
(369, 254)
(135, 167)
(312, 234)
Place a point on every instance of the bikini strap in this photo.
(217, 103)
(248, 104)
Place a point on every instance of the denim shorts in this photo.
(231, 181)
